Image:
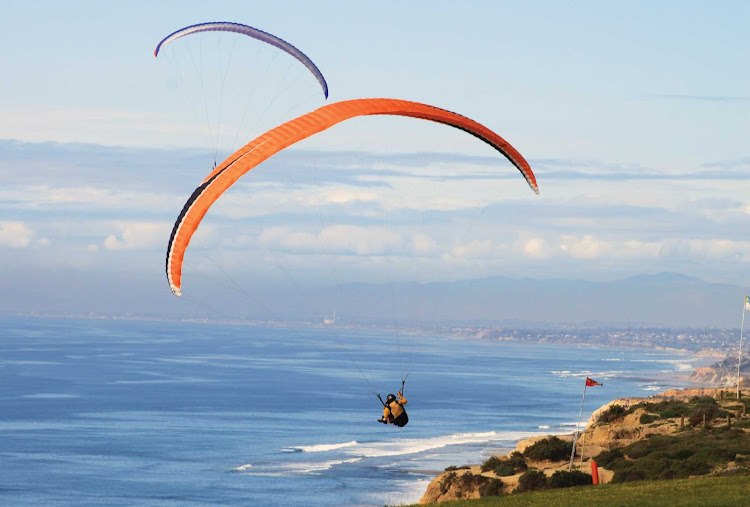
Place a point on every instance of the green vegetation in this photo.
(504, 470)
(612, 414)
(678, 456)
(708, 491)
(504, 467)
(648, 418)
(518, 462)
(663, 409)
(492, 488)
(552, 449)
(491, 463)
(532, 480)
(454, 468)
(468, 482)
(565, 479)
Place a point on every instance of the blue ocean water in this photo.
(107, 412)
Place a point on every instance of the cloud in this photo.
(15, 234)
(137, 236)
(730, 164)
(535, 248)
(423, 244)
(334, 239)
(705, 249)
(476, 249)
(586, 247)
(48, 197)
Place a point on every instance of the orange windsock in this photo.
(293, 131)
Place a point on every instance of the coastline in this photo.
(680, 382)
(446, 331)
(466, 482)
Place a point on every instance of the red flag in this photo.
(591, 382)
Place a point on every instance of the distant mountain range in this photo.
(660, 300)
(664, 299)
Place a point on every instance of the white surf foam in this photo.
(321, 447)
(290, 469)
(414, 446)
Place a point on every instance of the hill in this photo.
(678, 434)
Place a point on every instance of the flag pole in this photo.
(583, 446)
(575, 437)
(739, 357)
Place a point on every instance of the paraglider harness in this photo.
(402, 419)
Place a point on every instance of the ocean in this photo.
(116, 412)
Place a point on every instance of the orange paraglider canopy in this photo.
(293, 131)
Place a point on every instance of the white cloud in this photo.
(137, 235)
(474, 249)
(15, 234)
(336, 238)
(586, 247)
(40, 196)
(535, 248)
(423, 244)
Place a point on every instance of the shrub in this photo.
(665, 409)
(668, 474)
(673, 409)
(694, 465)
(648, 418)
(703, 400)
(628, 475)
(491, 463)
(492, 488)
(504, 470)
(682, 454)
(464, 482)
(453, 468)
(607, 458)
(551, 448)
(518, 462)
(710, 411)
(447, 482)
(565, 479)
(613, 413)
(532, 480)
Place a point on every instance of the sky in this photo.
(634, 117)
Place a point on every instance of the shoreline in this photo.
(670, 381)
(465, 482)
(477, 334)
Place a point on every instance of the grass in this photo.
(709, 491)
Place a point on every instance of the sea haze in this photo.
(102, 412)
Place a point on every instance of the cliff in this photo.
(616, 425)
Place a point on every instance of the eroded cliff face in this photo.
(718, 376)
(455, 485)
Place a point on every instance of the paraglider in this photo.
(224, 26)
(393, 410)
(293, 131)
